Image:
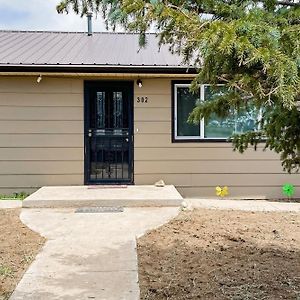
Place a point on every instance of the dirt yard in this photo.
(18, 247)
(214, 254)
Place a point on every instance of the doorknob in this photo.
(126, 139)
(90, 133)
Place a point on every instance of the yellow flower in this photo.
(222, 192)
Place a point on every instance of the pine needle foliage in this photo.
(250, 46)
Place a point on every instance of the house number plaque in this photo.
(142, 100)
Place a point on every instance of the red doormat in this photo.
(107, 187)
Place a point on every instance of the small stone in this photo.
(160, 183)
(184, 204)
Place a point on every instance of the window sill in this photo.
(215, 140)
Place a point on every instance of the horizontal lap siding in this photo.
(43, 127)
(212, 180)
(41, 154)
(180, 153)
(208, 167)
(41, 140)
(256, 192)
(41, 133)
(40, 167)
(41, 143)
(38, 113)
(197, 168)
(35, 181)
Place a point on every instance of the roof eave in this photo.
(98, 69)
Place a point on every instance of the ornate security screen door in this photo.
(108, 132)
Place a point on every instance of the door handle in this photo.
(90, 133)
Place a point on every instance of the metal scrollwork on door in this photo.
(109, 134)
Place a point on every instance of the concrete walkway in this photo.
(87, 256)
(10, 204)
(247, 205)
(97, 196)
(93, 256)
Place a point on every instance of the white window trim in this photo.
(202, 123)
(200, 137)
(177, 137)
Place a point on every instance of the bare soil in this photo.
(215, 254)
(18, 247)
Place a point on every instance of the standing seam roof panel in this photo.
(74, 48)
(41, 49)
(18, 56)
(53, 47)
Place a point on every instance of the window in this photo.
(215, 128)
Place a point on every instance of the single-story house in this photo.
(94, 109)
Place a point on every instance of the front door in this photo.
(108, 132)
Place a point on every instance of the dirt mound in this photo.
(18, 247)
(213, 254)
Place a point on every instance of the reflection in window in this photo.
(100, 110)
(214, 128)
(185, 105)
(118, 109)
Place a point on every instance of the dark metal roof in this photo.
(76, 49)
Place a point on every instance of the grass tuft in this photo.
(14, 196)
(6, 271)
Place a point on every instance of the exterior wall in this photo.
(41, 143)
(41, 133)
(197, 168)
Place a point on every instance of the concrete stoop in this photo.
(104, 196)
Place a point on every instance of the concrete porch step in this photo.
(105, 196)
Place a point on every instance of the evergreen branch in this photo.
(250, 46)
(180, 10)
(288, 3)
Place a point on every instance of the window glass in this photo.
(118, 109)
(247, 121)
(100, 110)
(186, 102)
(235, 123)
(216, 127)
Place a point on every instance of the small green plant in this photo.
(288, 190)
(6, 271)
(14, 196)
(27, 258)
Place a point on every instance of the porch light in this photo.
(39, 79)
(139, 82)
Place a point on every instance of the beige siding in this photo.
(213, 153)
(197, 168)
(229, 179)
(41, 154)
(43, 127)
(38, 167)
(207, 167)
(36, 113)
(44, 99)
(41, 133)
(41, 143)
(33, 181)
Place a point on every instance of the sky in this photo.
(41, 15)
